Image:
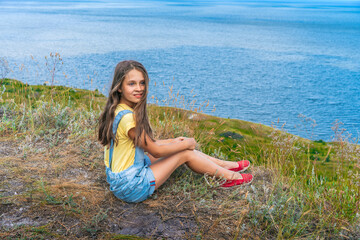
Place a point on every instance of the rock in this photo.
(232, 135)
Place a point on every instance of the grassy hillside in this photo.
(53, 181)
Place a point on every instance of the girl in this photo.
(125, 131)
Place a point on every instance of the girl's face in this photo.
(132, 88)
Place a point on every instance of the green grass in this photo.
(313, 189)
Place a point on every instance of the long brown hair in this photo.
(106, 118)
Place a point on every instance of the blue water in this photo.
(260, 61)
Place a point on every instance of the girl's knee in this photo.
(187, 155)
(183, 156)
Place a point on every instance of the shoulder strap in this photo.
(116, 122)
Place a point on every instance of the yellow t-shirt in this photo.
(124, 151)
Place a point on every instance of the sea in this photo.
(293, 64)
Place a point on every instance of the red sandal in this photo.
(246, 179)
(243, 165)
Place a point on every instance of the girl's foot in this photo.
(246, 179)
(242, 166)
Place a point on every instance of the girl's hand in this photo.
(191, 143)
(158, 150)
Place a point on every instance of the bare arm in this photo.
(164, 141)
(161, 150)
(170, 140)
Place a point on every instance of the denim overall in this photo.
(136, 183)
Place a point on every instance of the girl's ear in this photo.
(119, 90)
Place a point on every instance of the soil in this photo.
(62, 193)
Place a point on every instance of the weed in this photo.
(93, 226)
(4, 68)
(49, 199)
(70, 205)
(52, 63)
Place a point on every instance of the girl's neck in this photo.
(132, 107)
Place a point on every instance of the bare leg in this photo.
(222, 163)
(164, 167)
(152, 158)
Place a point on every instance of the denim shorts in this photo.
(134, 184)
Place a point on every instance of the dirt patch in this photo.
(8, 148)
(62, 193)
(80, 175)
(141, 220)
(14, 216)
